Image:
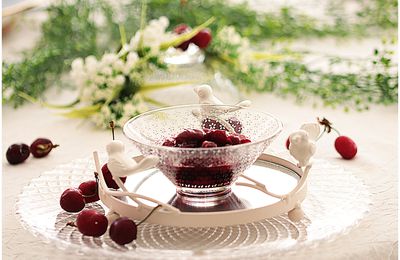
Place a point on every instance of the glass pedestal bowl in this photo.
(202, 175)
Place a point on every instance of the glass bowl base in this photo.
(203, 193)
(222, 200)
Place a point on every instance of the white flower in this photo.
(77, 73)
(77, 64)
(118, 65)
(131, 61)
(118, 80)
(229, 34)
(102, 94)
(7, 93)
(87, 93)
(108, 58)
(164, 21)
(127, 47)
(140, 105)
(103, 117)
(121, 122)
(99, 79)
(91, 65)
(132, 57)
(90, 61)
(98, 18)
(153, 35)
(107, 71)
(129, 109)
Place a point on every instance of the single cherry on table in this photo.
(346, 147)
(42, 147)
(17, 153)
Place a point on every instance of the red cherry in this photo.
(17, 153)
(208, 144)
(217, 136)
(89, 191)
(346, 147)
(42, 147)
(71, 200)
(123, 231)
(287, 143)
(169, 142)
(234, 139)
(91, 223)
(181, 29)
(202, 38)
(189, 138)
(245, 140)
(109, 179)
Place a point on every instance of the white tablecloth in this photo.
(374, 131)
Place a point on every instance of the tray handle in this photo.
(125, 192)
(261, 187)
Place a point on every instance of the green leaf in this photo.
(44, 104)
(83, 112)
(162, 85)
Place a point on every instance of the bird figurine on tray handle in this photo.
(122, 165)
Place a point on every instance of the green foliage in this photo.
(374, 82)
(286, 23)
(70, 32)
(67, 34)
(381, 13)
(256, 26)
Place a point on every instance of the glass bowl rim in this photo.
(169, 148)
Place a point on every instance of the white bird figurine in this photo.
(121, 165)
(206, 97)
(313, 130)
(301, 147)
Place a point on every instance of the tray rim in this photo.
(170, 216)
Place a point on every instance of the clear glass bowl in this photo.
(205, 173)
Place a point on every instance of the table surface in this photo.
(375, 132)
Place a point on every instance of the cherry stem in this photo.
(320, 135)
(71, 223)
(334, 129)
(112, 125)
(96, 192)
(55, 145)
(148, 215)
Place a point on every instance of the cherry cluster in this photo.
(209, 138)
(91, 222)
(201, 39)
(18, 153)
